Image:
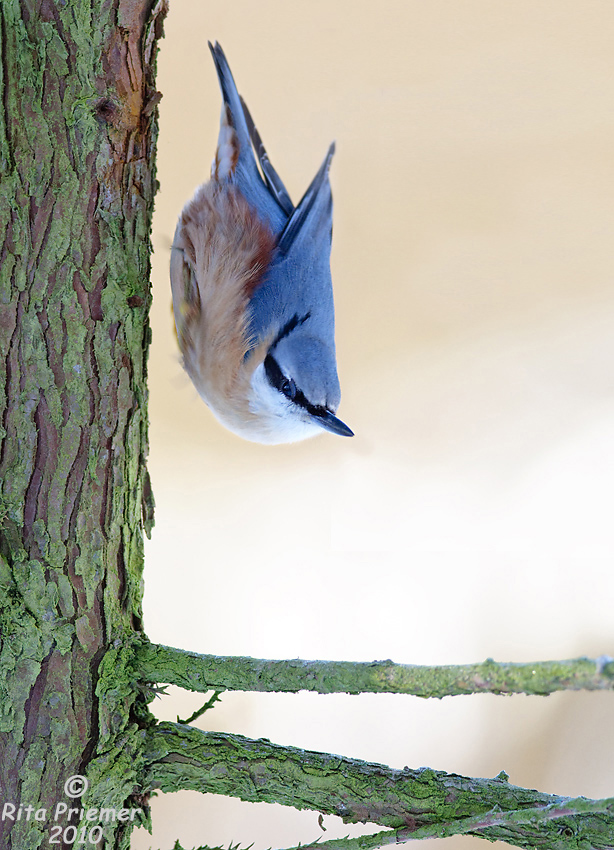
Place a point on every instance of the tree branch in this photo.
(472, 825)
(201, 673)
(416, 803)
(475, 825)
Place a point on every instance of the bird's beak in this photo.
(330, 422)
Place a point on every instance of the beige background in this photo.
(471, 516)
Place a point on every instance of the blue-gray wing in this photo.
(298, 282)
(269, 198)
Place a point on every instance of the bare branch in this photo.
(472, 825)
(201, 673)
(415, 803)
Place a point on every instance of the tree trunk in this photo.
(77, 144)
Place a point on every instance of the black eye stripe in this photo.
(277, 379)
(273, 372)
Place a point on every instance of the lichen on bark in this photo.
(77, 144)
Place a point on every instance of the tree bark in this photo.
(77, 145)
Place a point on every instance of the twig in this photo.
(199, 712)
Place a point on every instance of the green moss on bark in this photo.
(201, 673)
(76, 198)
(420, 803)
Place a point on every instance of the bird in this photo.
(252, 289)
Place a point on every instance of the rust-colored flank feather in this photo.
(221, 250)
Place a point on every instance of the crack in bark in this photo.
(33, 702)
(36, 477)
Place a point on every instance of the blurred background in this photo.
(471, 515)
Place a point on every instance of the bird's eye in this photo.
(288, 388)
(278, 380)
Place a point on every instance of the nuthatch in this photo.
(252, 290)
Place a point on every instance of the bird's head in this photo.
(295, 389)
